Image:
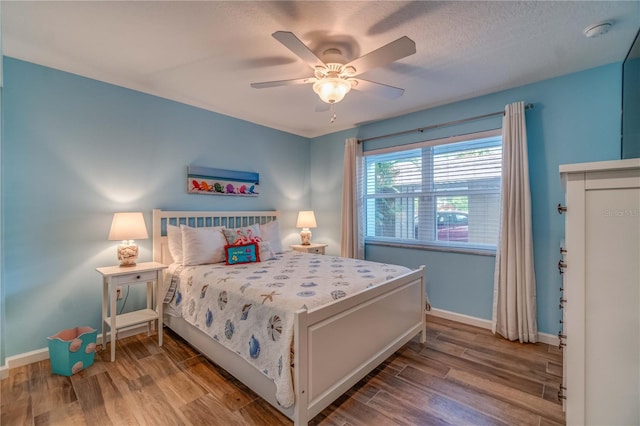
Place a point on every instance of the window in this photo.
(436, 193)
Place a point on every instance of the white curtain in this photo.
(352, 238)
(514, 298)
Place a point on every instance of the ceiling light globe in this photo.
(332, 90)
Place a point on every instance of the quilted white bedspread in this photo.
(249, 308)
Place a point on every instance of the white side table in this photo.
(116, 276)
(310, 248)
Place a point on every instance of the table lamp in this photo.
(306, 220)
(127, 227)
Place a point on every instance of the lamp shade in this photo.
(306, 219)
(128, 226)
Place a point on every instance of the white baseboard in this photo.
(549, 339)
(4, 372)
(43, 353)
(27, 358)
(464, 319)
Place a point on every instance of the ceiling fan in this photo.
(333, 79)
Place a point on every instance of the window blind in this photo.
(444, 192)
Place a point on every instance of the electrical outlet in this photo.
(118, 293)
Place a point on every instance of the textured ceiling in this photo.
(206, 53)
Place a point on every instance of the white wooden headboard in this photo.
(199, 219)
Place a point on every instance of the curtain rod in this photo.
(435, 126)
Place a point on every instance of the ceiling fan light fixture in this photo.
(332, 89)
(333, 77)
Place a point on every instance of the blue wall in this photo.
(631, 103)
(75, 151)
(576, 119)
(2, 344)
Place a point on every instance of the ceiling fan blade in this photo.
(267, 84)
(300, 49)
(389, 92)
(388, 53)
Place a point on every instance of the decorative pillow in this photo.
(270, 232)
(174, 237)
(242, 253)
(264, 248)
(249, 234)
(202, 245)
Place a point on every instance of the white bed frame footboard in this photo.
(335, 345)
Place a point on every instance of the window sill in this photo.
(433, 247)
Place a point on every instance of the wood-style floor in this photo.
(462, 376)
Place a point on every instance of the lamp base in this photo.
(305, 237)
(127, 254)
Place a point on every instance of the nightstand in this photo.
(310, 248)
(113, 277)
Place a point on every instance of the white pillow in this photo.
(174, 237)
(202, 245)
(266, 253)
(270, 232)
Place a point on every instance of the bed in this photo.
(394, 308)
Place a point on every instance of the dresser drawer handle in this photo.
(561, 266)
(561, 394)
(138, 277)
(561, 338)
(561, 208)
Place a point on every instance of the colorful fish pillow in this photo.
(242, 253)
(249, 234)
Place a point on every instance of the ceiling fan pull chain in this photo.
(333, 114)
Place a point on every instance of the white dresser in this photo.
(601, 297)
